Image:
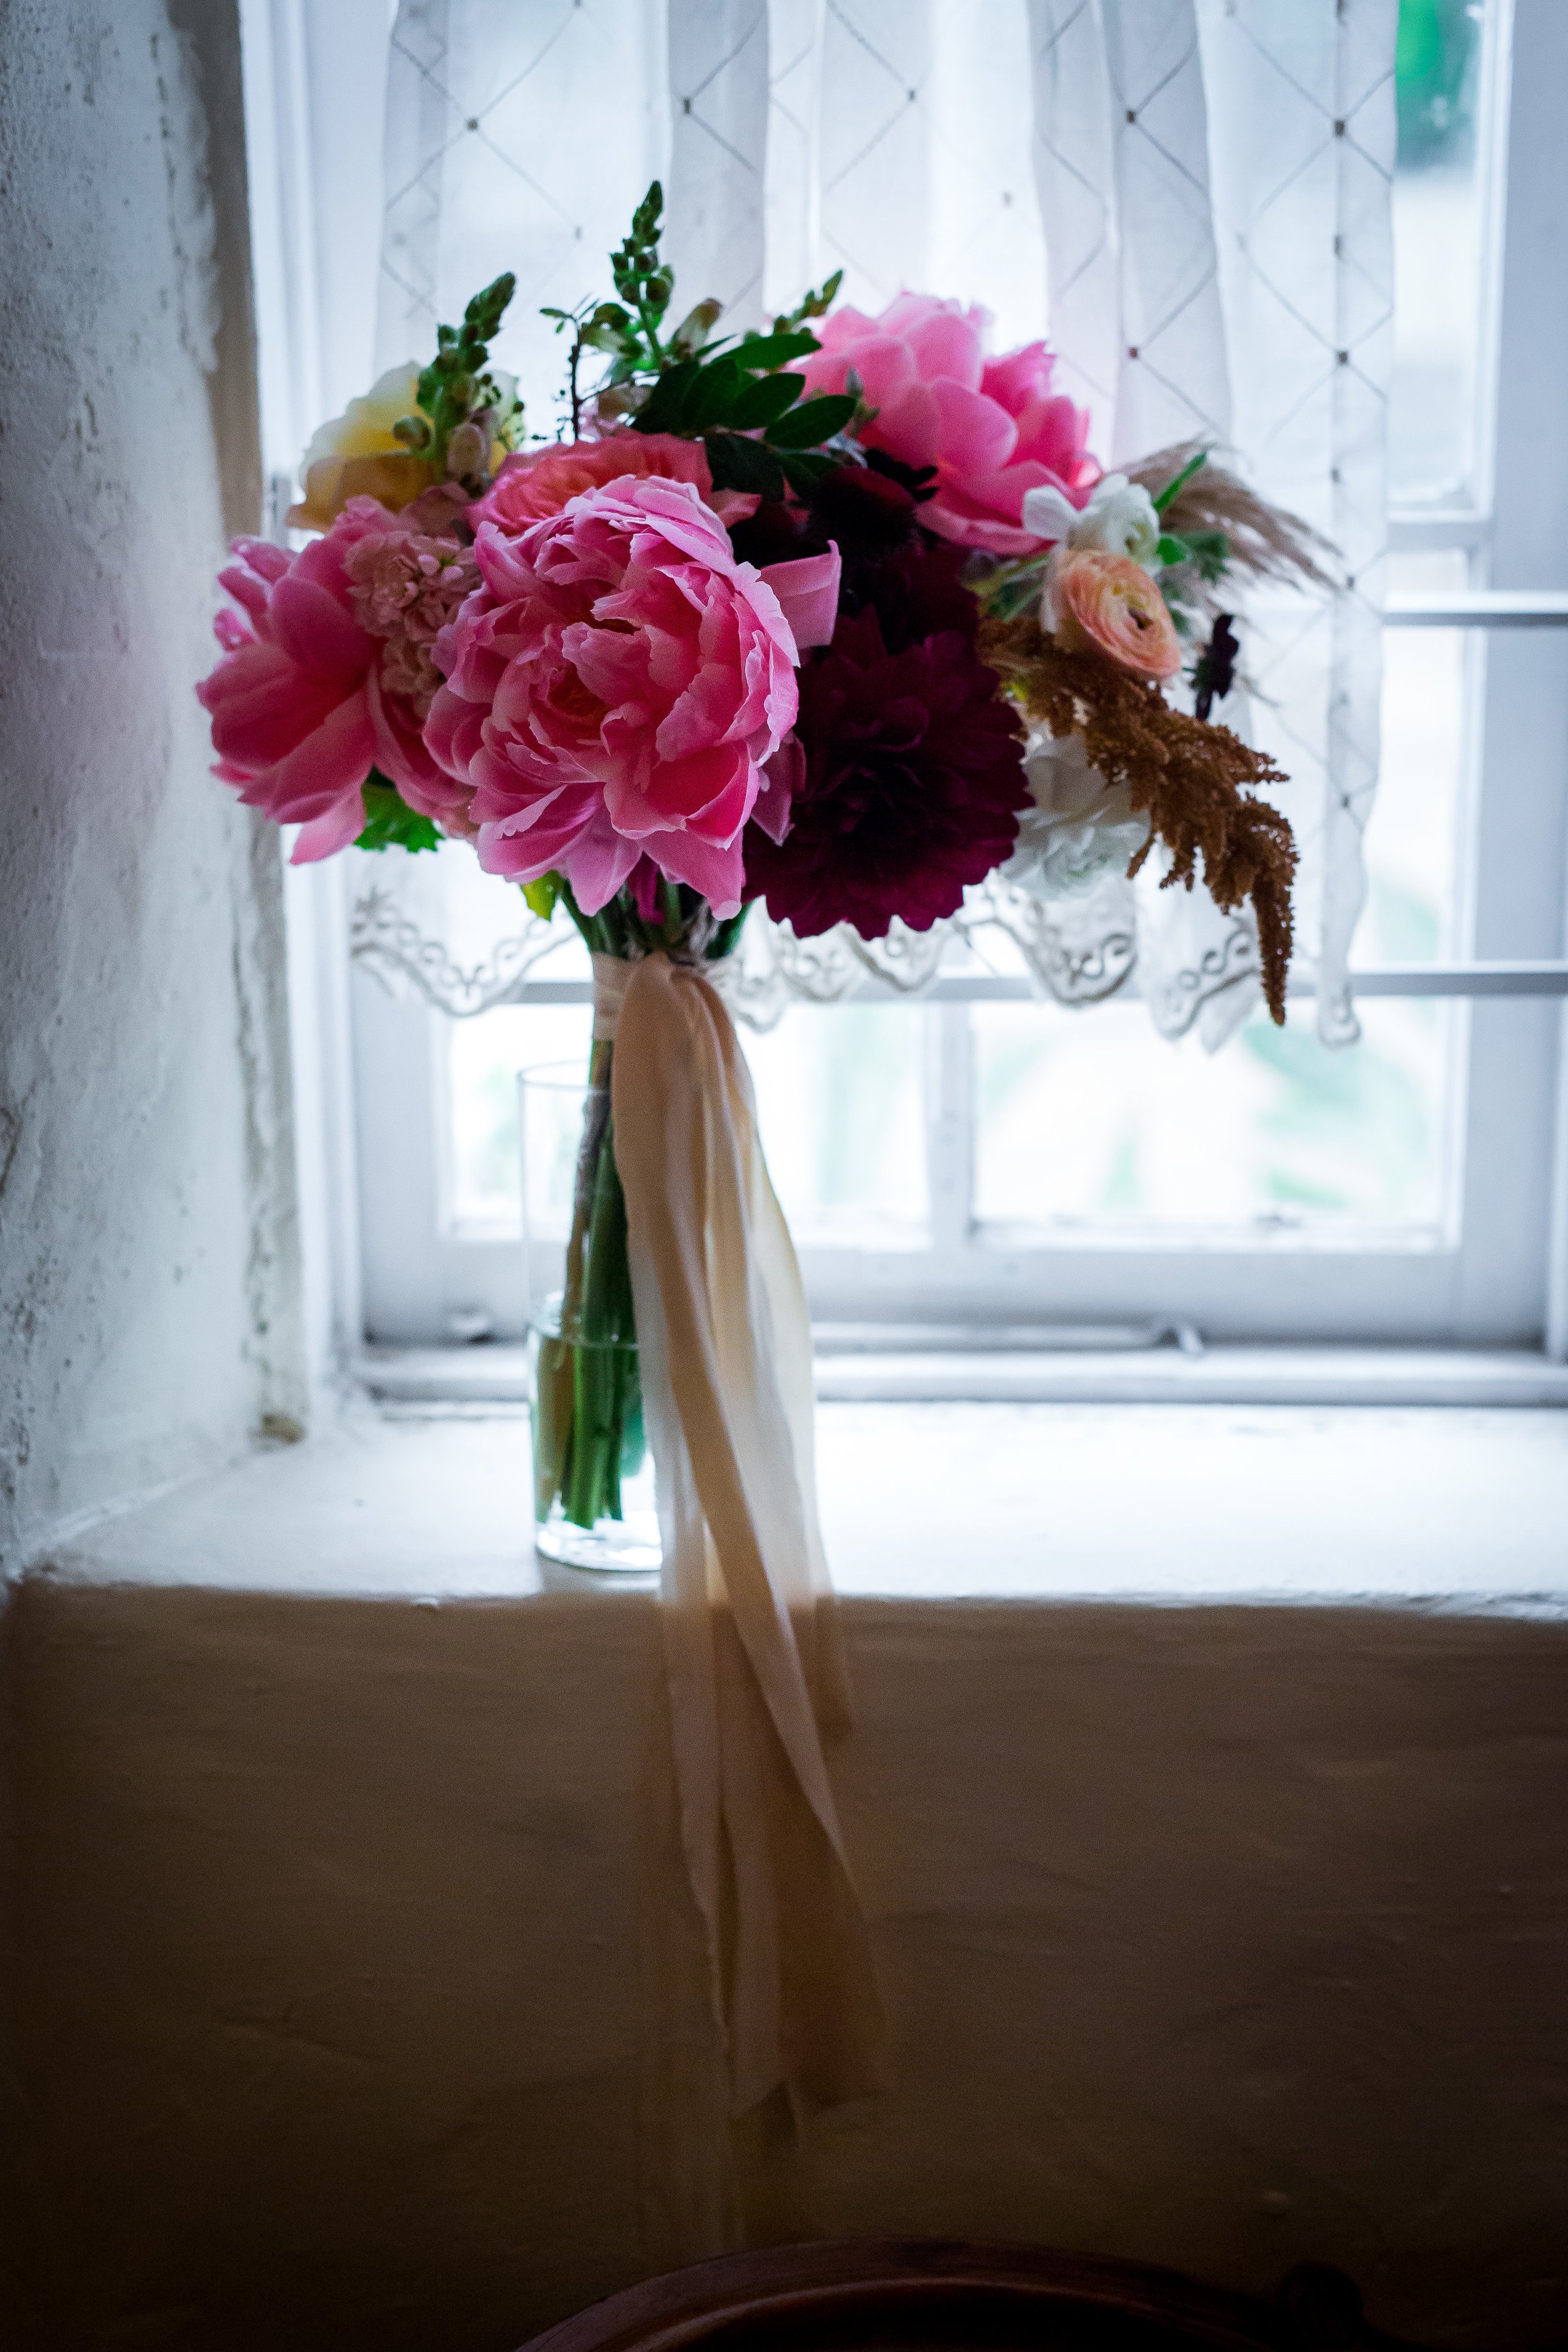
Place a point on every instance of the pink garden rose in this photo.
(614, 688)
(993, 429)
(328, 673)
(530, 487)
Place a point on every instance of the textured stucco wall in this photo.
(147, 1322)
(362, 2006)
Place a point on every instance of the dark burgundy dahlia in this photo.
(910, 785)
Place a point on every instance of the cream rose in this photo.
(358, 455)
(1079, 828)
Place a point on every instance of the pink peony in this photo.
(614, 690)
(327, 673)
(991, 429)
(528, 488)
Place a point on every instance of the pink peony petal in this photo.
(719, 871)
(977, 437)
(784, 776)
(807, 590)
(598, 864)
(324, 836)
(316, 631)
(332, 760)
(1021, 377)
(908, 427)
(947, 348)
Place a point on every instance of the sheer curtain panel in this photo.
(1192, 198)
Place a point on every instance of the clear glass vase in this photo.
(592, 1476)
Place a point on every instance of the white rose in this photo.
(1079, 828)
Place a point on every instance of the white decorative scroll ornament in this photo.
(1190, 196)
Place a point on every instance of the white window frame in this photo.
(386, 1269)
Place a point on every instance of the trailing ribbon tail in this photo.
(751, 1636)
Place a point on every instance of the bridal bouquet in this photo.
(839, 617)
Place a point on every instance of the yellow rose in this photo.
(358, 456)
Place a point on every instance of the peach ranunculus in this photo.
(1109, 603)
(616, 686)
(993, 429)
(530, 487)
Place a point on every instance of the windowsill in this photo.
(1229, 1373)
(1454, 1510)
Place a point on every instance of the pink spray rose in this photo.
(614, 688)
(327, 673)
(528, 488)
(993, 429)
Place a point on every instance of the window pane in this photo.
(483, 1058)
(1092, 1118)
(1412, 842)
(1438, 217)
(840, 1096)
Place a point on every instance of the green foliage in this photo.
(1008, 589)
(699, 388)
(542, 895)
(741, 392)
(1178, 483)
(1208, 550)
(389, 822)
(812, 306)
(456, 386)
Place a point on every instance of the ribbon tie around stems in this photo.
(752, 1642)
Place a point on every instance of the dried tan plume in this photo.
(1188, 776)
(1263, 540)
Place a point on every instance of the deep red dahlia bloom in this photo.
(910, 785)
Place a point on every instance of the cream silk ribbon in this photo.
(752, 1642)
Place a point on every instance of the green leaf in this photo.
(543, 895)
(813, 422)
(712, 396)
(764, 400)
(761, 353)
(665, 405)
(1208, 550)
(1180, 481)
(389, 822)
(738, 465)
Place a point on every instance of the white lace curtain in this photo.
(1191, 197)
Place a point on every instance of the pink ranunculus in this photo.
(993, 429)
(326, 673)
(530, 487)
(614, 691)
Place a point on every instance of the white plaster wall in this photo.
(147, 1315)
